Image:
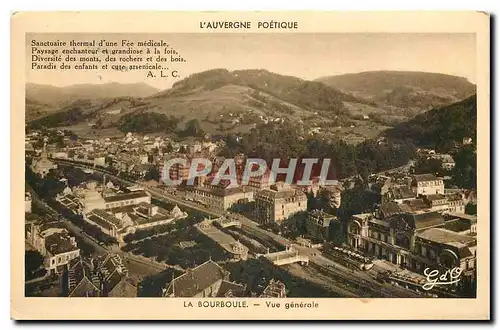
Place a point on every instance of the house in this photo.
(278, 203)
(204, 281)
(427, 184)
(318, 224)
(274, 289)
(120, 221)
(53, 242)
(105, 276)
(42, 165)
(220, 197)
(415, 241)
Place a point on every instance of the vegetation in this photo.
(165, 248)
(302, 93)
(429, 165)
(153, 285)
(471, 208)
(268, 141)
(33, 262)
(256, 274)
(442, 126)
(148, 122)
(404, 89)
(192, 129)
(464, 173)
(68, 117)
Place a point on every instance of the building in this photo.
(437, 202)
(132, 198)
(416, 240)
(278, 203)
(105, 276)
(53, 242)
(219, 197)
(333, 195)
(427, 184)
(120, 221)
(275, 289)
(81, 281)
(204, 281)
(318, 224)
(42, 165)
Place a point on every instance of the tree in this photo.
(152, 174)
(33, 260)
(193, 129)
(464, 172)
(471, 208)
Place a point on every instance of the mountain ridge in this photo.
(419, 90)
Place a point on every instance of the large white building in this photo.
(278, 203)
(120, 221)
(427, 184)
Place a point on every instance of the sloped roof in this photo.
(195, 280)
(444, 236)
(425, 177)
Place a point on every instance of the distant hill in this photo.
(52, 95)
(230, 101)
(309, 95)
(420, 91)
(440, 125)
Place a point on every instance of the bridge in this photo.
(227, 220)
(288, 256)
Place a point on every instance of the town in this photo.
(100, 222)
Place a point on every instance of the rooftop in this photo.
(195, 280)
(127, 196)
(425, 177)
(444, 236)
(58, 243)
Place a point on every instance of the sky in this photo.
(305, 55)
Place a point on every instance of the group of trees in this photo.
(440, 127)
(148, 122)
(269, 141)
(33, 262)
(68, 117)
(165, 248)
(256, 274)
(192, 129)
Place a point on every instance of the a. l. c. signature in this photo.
(433, 276)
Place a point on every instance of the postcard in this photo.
(250, 166)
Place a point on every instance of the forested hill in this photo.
(302, 93)
(404, 89)
(440, 125)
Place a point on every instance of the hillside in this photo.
(417, 91)
(51, 95)
(441, 125)
(223, 101)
